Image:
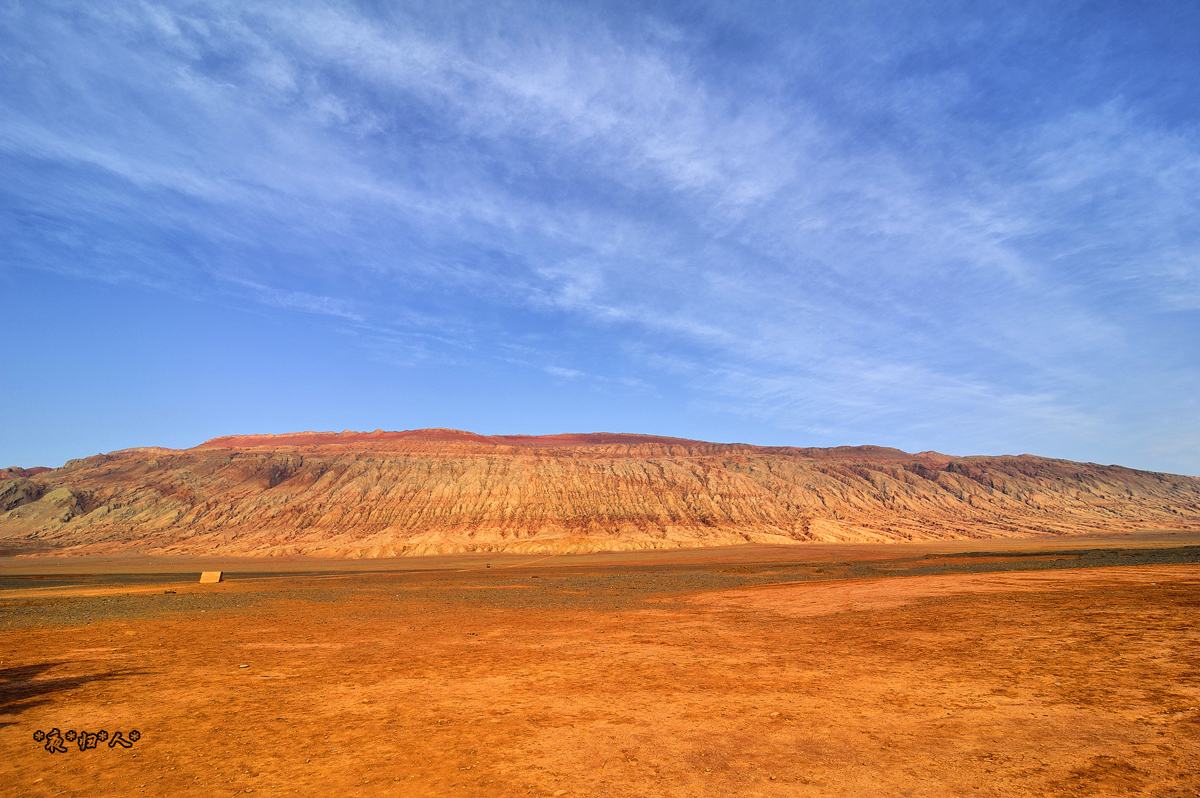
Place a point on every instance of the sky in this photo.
(966, 227)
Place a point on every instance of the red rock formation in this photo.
(13, 472)
(430, 491)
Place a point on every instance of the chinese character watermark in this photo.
(56, 740)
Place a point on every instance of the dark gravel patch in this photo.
(84, 610)
(563, 588)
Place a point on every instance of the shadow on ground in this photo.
(24, 688)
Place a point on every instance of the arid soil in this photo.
(1016, 668)
(427, 492)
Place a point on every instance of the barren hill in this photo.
(379, 494)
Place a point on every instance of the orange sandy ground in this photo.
(1083, 682)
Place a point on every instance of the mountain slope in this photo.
(428, 491)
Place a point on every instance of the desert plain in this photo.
(974, 667)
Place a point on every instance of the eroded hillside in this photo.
(436, 491)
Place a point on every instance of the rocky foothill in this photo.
(385, 494)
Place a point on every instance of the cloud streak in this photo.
(944, 230)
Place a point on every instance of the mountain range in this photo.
(385, 494)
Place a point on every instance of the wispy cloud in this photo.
(846, 225)
(296, 300)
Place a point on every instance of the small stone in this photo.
(773, 715)
(560, 792)
(243, 666)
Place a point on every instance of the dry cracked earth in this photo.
(1026, 668)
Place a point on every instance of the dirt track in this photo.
(723, 673)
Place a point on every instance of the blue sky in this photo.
(924, 225)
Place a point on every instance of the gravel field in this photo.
(546, 588)
(848, 672)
